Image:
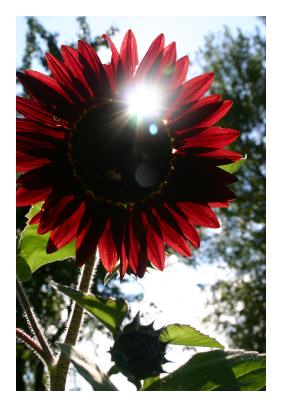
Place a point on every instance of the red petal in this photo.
(34, 110)
(107, 249)
(66, 232)
(179, 114)
(138, 255)
(47, 90)
(171, 232)
(155, 245)
(203, 116)
(128, 54)
(32, 129)
(71, 60)
(26, 162)
(93, 69)
(38, 178)
(220, 204)
(61, 74)
(200, 214)
(151, 56)
(26, 197)
(36, 146)
(119, 217)
(180, 71)
(88, 234)
(211, 137)
(206, 181)
(115, 55)
(35, 219)
(123, 260)
(166, 68)
(113, 69)
(133, 244)
(187, 227)
(220, 156)
(195, 88)
(53, 208)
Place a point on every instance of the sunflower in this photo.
(124, 156)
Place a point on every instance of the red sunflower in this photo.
(124, 156)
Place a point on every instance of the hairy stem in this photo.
(35, 325)
(60, 370)
(30, 342)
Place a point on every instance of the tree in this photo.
(238, 62)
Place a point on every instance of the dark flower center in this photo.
(139, 354)
(118, 156)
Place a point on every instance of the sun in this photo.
(144, 102)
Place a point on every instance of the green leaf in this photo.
(111, 276)
(149, 381)
(18, 243)
(113, 370)
(110, 312)
(217, 370)
(177, 334)
(33, 245)
(233, 167)
(91, 372)
(23, 269)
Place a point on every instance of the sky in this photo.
(188, 32)
(174, 302)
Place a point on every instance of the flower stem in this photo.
(30, 342)
(35, 325)
(60, 370)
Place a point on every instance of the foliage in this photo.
(238, 62)
(39, 40)
(216, 370)
(110, 312)
(32, 248)
(177, 334)
(208, 371)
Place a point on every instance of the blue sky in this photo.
(188, 32)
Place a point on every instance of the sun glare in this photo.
(144, 102)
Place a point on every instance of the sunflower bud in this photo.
(137, 352)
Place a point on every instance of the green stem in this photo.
(60, 370)
(35, 325)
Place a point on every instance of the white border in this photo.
(156, 8)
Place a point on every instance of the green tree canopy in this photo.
(238, 62)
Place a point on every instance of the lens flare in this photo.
(153, 129)
(144, 102)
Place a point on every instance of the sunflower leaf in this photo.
(33, 245)
(23, 269)
(177, 334)
(149, 381)
(111, 276)
(110, 312)
(90, 371)
(113, 370)
(217, 370)
(233, 167)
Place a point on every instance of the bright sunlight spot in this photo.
(144, 102)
